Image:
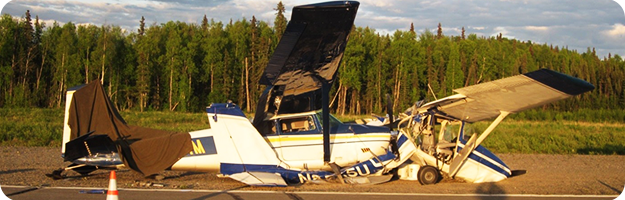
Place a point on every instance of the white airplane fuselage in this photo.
(296, 140)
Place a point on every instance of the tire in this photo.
(428, 175)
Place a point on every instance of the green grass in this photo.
(560, 137)
(43, 127)
(31, 127)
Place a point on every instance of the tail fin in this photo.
(239, 145)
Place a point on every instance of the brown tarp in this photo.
(147, 151)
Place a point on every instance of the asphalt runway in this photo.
(69, 193)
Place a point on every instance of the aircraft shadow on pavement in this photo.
(490, 191)
(608, 149)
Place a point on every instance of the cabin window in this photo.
(452, 131)
(267, 128)
(468, 131)
(333, 121)
(297, 125)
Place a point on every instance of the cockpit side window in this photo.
(333, 121)
(297, 125)
(267, 128)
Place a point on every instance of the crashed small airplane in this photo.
(293, 139)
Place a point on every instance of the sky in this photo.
(572, 24)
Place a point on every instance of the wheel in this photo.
(428, 175)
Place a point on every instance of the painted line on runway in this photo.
(327, 193)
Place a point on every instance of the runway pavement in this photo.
(69, 193)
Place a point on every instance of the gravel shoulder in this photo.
(545, 174)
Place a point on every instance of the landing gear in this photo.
(82, 169)
(56, 174)
(428, 175)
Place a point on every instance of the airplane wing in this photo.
(308, 54)
(513, 94)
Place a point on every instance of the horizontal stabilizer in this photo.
(259, 179)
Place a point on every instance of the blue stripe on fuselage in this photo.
(401, 140)
(487, 163)
(365, 168)
(486, 153)
(290, 176)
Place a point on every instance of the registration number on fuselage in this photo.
(203, 146)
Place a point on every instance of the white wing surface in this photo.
(513, 94)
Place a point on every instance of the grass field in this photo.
(556, 137)
(43, 127)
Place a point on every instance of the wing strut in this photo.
(325, 112)
(473, 143)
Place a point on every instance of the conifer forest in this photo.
(180, 66)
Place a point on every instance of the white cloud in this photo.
(477, 28)
(572, 23)
(618, 30)
(500, 29)
(537, 28)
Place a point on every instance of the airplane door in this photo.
(300, 139)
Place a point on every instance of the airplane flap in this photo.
(259, 178)
(514, 94)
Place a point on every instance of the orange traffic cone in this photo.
(111, 194)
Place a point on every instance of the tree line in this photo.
(181, 66)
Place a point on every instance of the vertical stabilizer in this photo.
(241, 148)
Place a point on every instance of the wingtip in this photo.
(560, 81)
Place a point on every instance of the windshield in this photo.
(333, 121)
